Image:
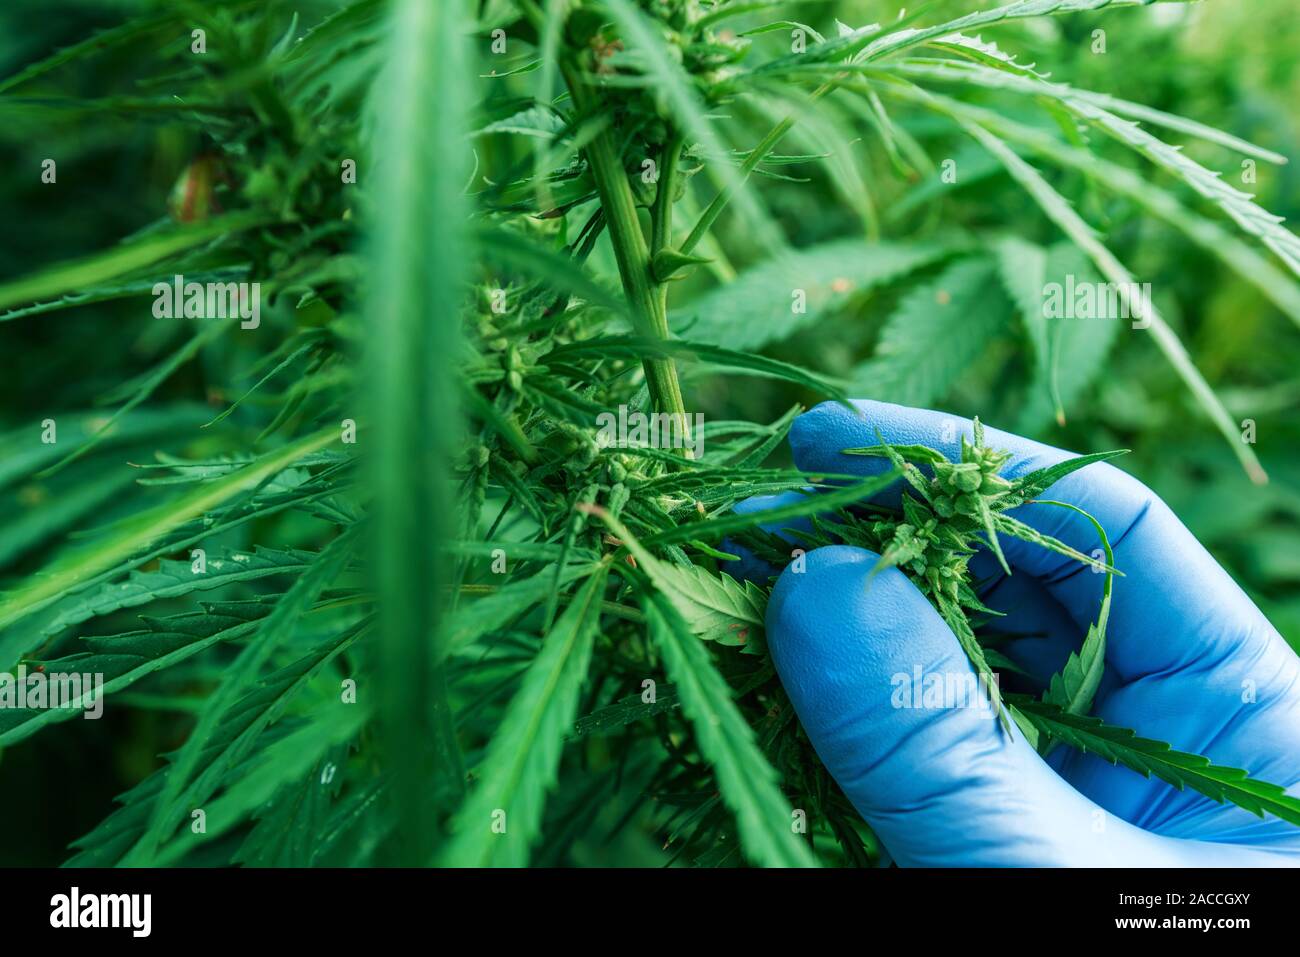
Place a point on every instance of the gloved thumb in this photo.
(894, 710)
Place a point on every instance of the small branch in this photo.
(756, 156)
(661, 235)
(669, 175)
(630, 249)
(662, 214)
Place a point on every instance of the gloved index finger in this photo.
(1174, 606)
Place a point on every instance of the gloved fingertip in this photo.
(750, 567)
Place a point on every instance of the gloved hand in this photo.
(1190, 660)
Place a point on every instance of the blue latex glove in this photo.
(1190, 660)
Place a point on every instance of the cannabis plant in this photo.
(380, 551)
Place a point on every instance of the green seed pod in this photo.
(993, 484)
(967, 477)
(515, 380)
(968, 503)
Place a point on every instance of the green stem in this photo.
(662, 214)
(661, 235)
(630, 250)
(661, 217)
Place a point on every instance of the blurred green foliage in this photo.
(1230, 65)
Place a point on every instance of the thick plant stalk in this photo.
(632, 253)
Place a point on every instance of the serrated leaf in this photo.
(779, 429)
(240, 741)
(126, 658)
(983, 51)
(173, 579)
(1023, 268)
(1017, 529)
(1057, 209)
(96, 43)
(956, 620)
(287, 827)
(625, 711)
(720, 526)
(746, 778)
(150, 381)
(266, 772)
(759, 306)
(1074, 686)
(142, 530)
(920, 454)
(359, 817)
(715, 607)
(1237, 205)
(98, 268)
(1038, 481)
(534, 121)
(636, 347)
(473, 619)
(1147, 757)
(20, 458)
(1216, 240)
(523, 758)
(964, 308)
(1077, 347)
(271, 631)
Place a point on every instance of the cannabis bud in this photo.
(957, 487)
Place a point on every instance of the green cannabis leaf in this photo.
(1147, 757)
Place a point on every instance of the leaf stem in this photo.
(630, 250)
(669, 174)
(756, 156)
(661, 216)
